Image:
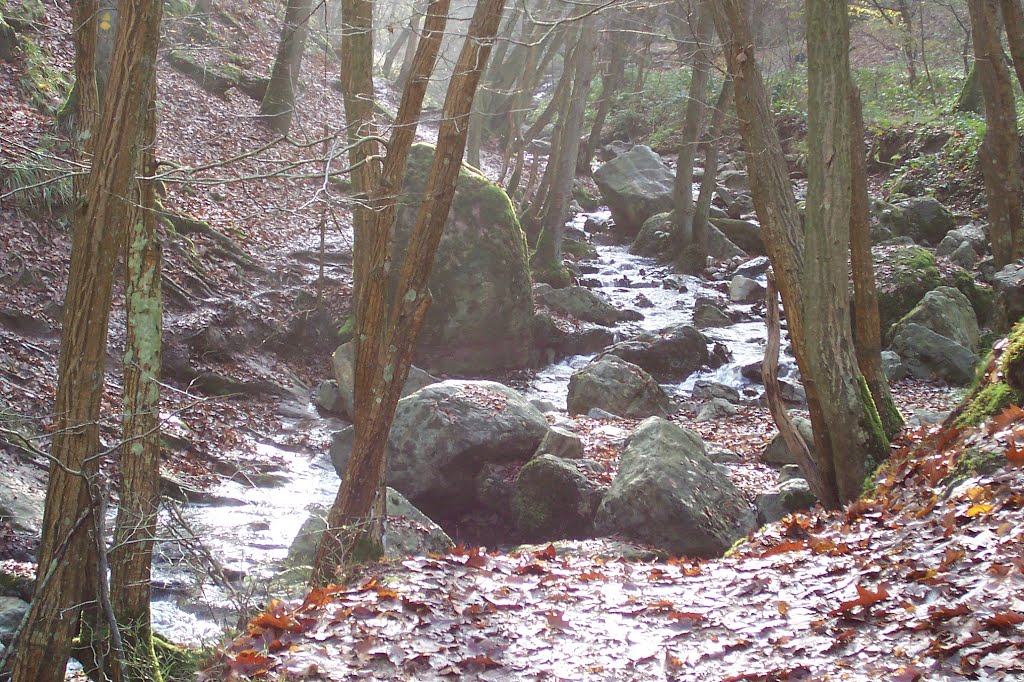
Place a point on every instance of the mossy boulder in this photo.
(948, 313)
(553, 499)
(904, 275)
(923, 219)
(8, 41)
(999, 384)
(655, 240)
(481, 318)
(618, 387)
(669, 494)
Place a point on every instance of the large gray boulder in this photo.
(929, 355)
(923, 219)
(12, 610)
(745, 290)
(947, 312)
(655, 240)
(779, 454)
(793, 495)
(706, 313)
(635, 186)
(21, 504)
(669, 494)
(481, 318)
(670, 354)
(743, 233)
(1008, 285)
(443, 434)
(621, 388)
(407, 532)
(581, 303)
(562, 443)
(554, 500)
(343, 391)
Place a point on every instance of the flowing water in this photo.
(248, 528)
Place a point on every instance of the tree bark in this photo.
(131, 556)
(355, 520)
(694, 256)
(999, 155)
(547, 259)
(611, 80)
(278, 104)
(867, 332)
(702, 26)
(855, 438)
(45, 644)
(1013, 22)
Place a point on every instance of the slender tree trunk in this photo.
(702, 26)
(410, 49)
(867, 333)
(45, 644)
(355, 521)
(906, 29)
(694, 257)
(856, 440)
(999, 155)
(547, 259)
(279, 101)
(131, 556)
(611, 81)
(389, 58)
(1013, 21)
(971, 100)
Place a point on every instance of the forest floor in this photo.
(916, 582)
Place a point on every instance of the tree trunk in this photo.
(611, 81)
(694, 257)
(702, 26)
(867, 332)
(403, 36)
(784, 241)
(278, 104)
(856, 440)
(45, 644)
(355, 521)
(999, 155)
(131, 556)
(547, 259)
(970, 100)
(1013, 21)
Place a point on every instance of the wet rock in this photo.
(553, 499)
(642, 301)
(12, 610)
(791, 496)
(635, 186)
(482, 311)
(754, 267)
(671, 354)
(707, 314)
(582, 304)
(341, 449)
(21, 503)
(789, 472)
(964, 256)
(443, 434)
(743, 233)
(724, 457)
(669, 494)
(544, 406)
(494, 486)
(892, 365)
(328, 397)
(948, 313)
(597, 223)
(719, 355)
(561, 442)
(344, 363)
(619, 387)
(1008, 285)
(407, 532)
(745, 290)
(929, 355)
(718, 408)
(709, 390)
(778, 453)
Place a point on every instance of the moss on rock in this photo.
(999, 385)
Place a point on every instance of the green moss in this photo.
(735, 547)
(558, 277)
(974, 462)
(981, 297)
(347, 329)
(179, 663)
(587, 201)
(988, 402)
(580, 250)
(45, 86)
(914, 273)
(878, 443)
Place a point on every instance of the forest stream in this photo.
(247, 527)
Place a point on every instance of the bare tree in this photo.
(278, 104)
